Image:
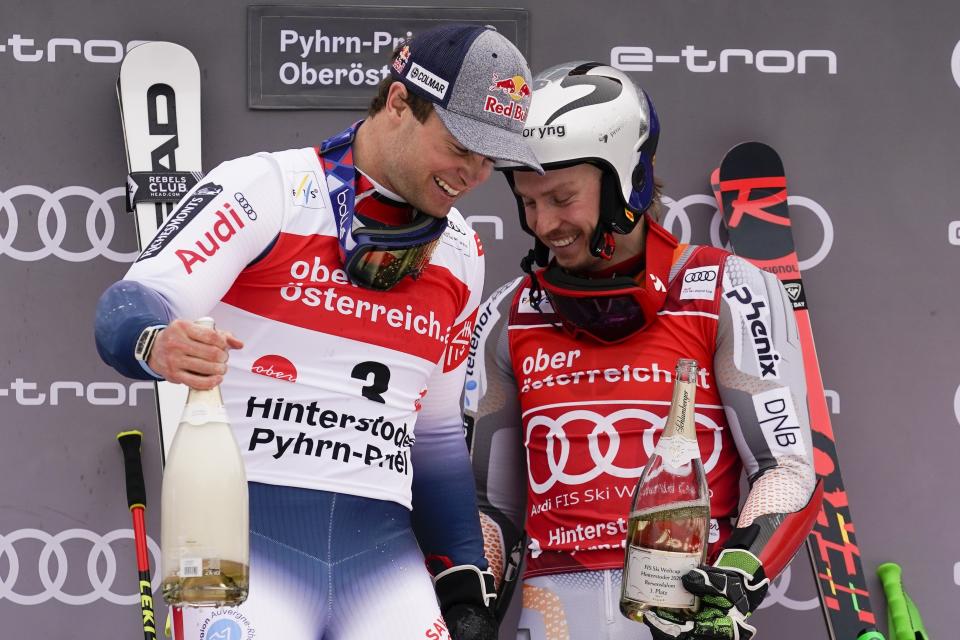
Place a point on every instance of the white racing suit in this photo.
(334, 385)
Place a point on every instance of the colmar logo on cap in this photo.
(429, 82)
(515, 87)
(274, 366)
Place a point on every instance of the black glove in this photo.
(466, 594)
(729, 592)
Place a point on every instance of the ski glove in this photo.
(465, 594)
(729, 592)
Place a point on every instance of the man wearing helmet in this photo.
(569, 378)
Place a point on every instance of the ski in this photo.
(159, 94)
(751, 191)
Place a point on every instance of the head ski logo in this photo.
(162, 121)
(755, 315)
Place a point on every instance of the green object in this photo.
(903, 617)
(870, 634)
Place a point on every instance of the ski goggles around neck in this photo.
(375, 255)
(382, 256)
(611, 310)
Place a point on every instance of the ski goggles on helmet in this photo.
(611, 310)
(381, 257)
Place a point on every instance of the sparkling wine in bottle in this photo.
(205, 530)
(670, 516)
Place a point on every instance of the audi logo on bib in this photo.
(57, 568)
(700, 276)
(90, 212)
(576, 445)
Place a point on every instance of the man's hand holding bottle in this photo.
(729, 592)
(184, 352)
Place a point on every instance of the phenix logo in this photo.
(515, 87)
(754, 311)
(224, 228)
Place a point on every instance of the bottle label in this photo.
(199, 415)
(653, 577)
(677, 451)
(191, 567)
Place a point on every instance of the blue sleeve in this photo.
(445, 515)
(124, 310)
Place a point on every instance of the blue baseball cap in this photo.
(479, 84)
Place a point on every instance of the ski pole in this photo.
(904, 619)
(137, 501)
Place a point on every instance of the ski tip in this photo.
(158, 54)
(751, 145)
(749, 161)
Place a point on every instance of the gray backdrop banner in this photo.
(318, 57)
(860, 98)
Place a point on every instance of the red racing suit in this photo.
(561, 429)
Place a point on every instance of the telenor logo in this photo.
(276, 367)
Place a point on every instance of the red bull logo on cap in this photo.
(515, 87)
(401, 60)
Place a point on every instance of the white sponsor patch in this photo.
(305, 190)
(525, 306)
(699, 283)
(432, 84)
(778, 420)
(714, 531)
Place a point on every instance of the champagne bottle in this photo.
(205, 530)
(670, 516)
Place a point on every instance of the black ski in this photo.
(751, 191)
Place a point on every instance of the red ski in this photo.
(751, 191)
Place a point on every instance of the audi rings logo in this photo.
(700, 276)
(956, 404)
(58, 213)
(558, 454)
(677, 215)
(53, 559)
(777, 594)
(955, 64)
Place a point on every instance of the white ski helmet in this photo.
(592, 112)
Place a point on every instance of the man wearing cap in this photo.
(339, 362)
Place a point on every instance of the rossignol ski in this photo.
(751, 191)
(159, 94)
